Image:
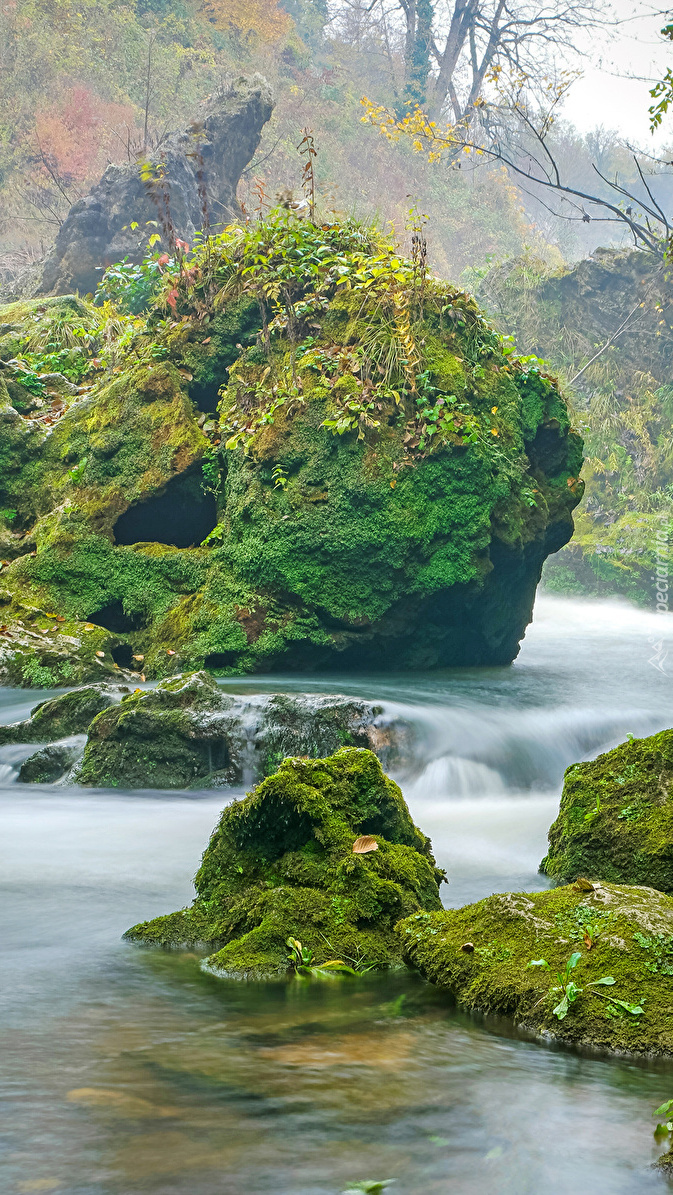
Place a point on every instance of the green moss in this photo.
(151, 739)
(62, 716)
(280, 863)
(616, 817)
(414, 537)
(481, 955)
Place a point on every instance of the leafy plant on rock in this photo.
(570, 991)
(301, 961)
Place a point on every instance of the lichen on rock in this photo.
(506, 956)
(280, 863)
(616, 817)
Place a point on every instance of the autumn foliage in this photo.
(252, 20)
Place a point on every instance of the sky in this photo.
(605, 95)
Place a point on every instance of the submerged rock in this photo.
(616, 817)
(604, 949)
(188, 732)
(281, 864)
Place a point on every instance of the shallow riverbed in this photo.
(125, 1071)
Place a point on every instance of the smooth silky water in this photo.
(124, 1070)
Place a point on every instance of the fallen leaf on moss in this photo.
(365, 844)
(100, 653)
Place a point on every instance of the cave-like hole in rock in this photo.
(206, 396)
(220, 659)
(181, 516)
(122, 655)
(114, 618)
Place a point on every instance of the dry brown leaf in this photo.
(138, 657)
(100, 654)
(169, 651)
(365, 844)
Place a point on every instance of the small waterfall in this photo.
(11, 758)
(472, 750)
(452, 776)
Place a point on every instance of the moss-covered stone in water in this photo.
(63, 716)
(616, 817)
(188, 731)
(281, 863)
(49, 764)
(158, 739)
(482, 954)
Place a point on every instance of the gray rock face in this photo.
(219, 145)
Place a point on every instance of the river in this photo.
(129, 1072)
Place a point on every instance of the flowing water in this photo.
(125, 1071)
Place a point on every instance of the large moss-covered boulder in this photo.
(281, 864)
(616, 817)
(324, 457)
(547, 961)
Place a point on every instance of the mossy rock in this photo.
(62, 716)
(482, 956)
(49, 764)
(339, 509)
(188, 732)
(161, 738)
(616, 817)
(280, 863)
